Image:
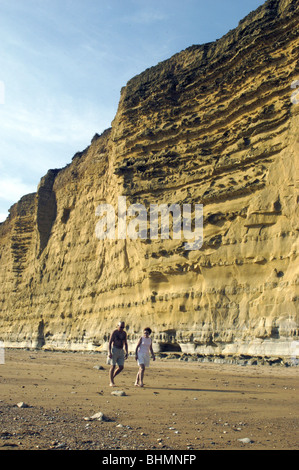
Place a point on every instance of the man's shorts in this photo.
(118, 357)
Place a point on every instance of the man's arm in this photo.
(110, 344)
(126, 344)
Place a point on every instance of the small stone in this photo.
(245, 440)
(60, 446)
(22, 405)
(98, 416)
(119, 393)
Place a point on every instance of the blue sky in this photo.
(63, 63)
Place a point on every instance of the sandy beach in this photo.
(183, 405)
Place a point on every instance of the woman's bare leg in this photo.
(139, 376)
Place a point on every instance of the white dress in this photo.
(143, 352)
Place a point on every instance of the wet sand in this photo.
(183, 405)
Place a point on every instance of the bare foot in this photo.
(112, 385)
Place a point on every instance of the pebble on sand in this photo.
(245, 440)
(21, 404)
(119, 393)
(97, 416)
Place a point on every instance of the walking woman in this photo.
(142, 355)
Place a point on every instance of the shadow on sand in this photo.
(200, 390)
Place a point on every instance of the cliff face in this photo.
(214, 124)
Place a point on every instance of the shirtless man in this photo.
(116, 354)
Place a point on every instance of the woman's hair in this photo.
(148, 329)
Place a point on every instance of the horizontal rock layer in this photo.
(215, 125)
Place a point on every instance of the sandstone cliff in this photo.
(214, 125)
